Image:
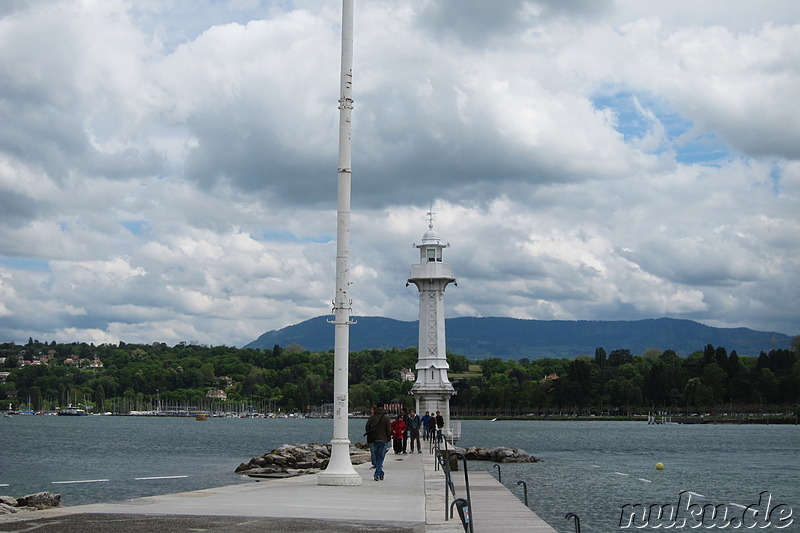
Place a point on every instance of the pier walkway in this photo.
(410, 500)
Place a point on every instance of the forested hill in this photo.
(510, 338)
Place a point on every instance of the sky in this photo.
(168, 168)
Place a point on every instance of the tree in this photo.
(457, 363)
(721, 357)
(362, 397)
(619, 357)
(207, 373)
(99, 397)
(600, 357)
(652, 353)
(580, 373)
(715, 379)
(709, 354)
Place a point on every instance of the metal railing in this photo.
(463, 505)
(577, 521)
(524, 489)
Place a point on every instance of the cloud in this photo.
(168, 170)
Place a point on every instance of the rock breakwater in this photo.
(498, 454)
(31, 502)
(297, 459)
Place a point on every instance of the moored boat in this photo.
(71, 411)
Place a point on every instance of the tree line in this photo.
(619, 383)
(109, 377)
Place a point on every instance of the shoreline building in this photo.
(432, 389)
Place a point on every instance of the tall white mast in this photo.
(340, 469)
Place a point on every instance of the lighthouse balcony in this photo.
(431, 270)
(433, 388)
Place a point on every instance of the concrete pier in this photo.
(410, 499)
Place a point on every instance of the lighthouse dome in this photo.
(430, 235)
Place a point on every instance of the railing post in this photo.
(524, 490)
(499, 474)
(463, 512)
(577, 521)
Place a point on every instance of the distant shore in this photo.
(724, 418)
(710, 419)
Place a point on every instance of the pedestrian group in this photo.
(404, 429)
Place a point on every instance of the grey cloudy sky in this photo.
(168, 168)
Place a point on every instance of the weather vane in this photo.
(430, 214)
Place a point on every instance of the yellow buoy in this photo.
(659, 466)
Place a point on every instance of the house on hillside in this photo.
(407, 374)
(217, 394)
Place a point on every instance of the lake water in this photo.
(591, 469)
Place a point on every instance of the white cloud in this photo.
(168, 170)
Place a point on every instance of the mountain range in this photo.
(512, 338)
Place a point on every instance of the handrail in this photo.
(499, 474)
(466, 487)
(448, 481)
(525, 490)
(577, 521)
(463, 513)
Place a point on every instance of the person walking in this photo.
(439, 426)
(370, 437)
(398, 430)
(379, 432)
(413, 431)
(407, 422)
(424, 423)
(432, 427)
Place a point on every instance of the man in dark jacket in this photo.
(379, 433)
(413, 430)
(425, 425)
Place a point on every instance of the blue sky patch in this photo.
(137, 227)
(25, 263)
(775, 177)
(640, 114)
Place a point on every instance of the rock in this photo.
(265, 470)
(8, 509)
(499, 454)
(8, 500)
(298, 459)
(40, 500)
(31, 502)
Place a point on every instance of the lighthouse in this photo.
(432, 389)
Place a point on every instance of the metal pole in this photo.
(340, 469)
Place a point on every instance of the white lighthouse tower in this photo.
(432, 275)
